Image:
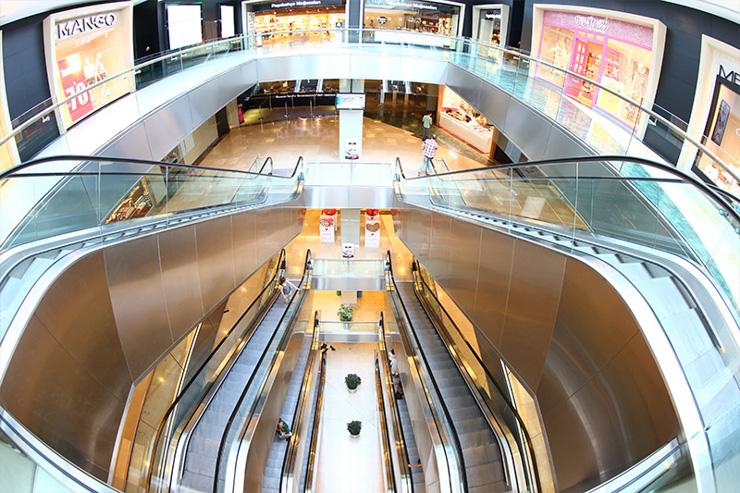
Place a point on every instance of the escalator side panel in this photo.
(560, 325)
(119, 344)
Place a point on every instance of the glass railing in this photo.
(537, 83)
(631, 200)
(96, 194)
(163, 447)
(348, 268)
(646, 208)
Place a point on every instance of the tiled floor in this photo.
(317, 139)
(347, 464)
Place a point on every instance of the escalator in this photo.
(477, 446)
(202, 449)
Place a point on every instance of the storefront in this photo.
(284, 21)
(715, 117)
(459, 118)
(85, 46)
(622, 52)
(411, 16)
(491, 23)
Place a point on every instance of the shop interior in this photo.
(281, 25)
(442, 20)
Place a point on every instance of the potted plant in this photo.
(353, 381)
(354, 428)
(345, 315)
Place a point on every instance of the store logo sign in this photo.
(600, 24)
(301, 3)
(493, 15)
(731, 76)
(85, 24)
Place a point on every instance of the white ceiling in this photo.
(13, 10)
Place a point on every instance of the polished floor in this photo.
(317, 140)
(348, 464)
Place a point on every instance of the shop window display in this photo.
(465, 122)
(614, 53)
(287, 22)
(402, 15)
(723, 137)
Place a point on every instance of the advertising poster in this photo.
(372, 228)
(327, 225)
(87, 46)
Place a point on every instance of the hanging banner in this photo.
(372, 228)
(327, 225)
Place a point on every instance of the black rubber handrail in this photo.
(385, 437)
(681, 176)
(448, 416)
(490, 377)
(402, 438)
(170, 409)
(313, 440)
(14, 171)
(235, 411)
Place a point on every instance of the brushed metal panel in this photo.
(494, 104)
(532, 307)
(204, 101)
(230, 86)
(77, 311)
(414, 227)
(494, 277)
(440, 239)
(167, 126)
(584, 340)
(245, 245)
(528, 129)
(467, 85)
(137, 296)
(464, 255)
(60, 402)
(249, 73)
(179, 256)
(215, 259)
(132, 143)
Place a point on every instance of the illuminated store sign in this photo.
(600, 24)
(85, 24)
(296, 4)
(492, 15)
(400, 4)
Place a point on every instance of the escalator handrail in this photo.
(448, 416)
(242, 396)
(385, 438)
(15, 171)
(402, 438)
(709, 191)
(173, 405)
(313, 442)
(303, 395)
(489, 375)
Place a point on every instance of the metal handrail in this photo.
(15, 170)
(300, 406)
(242, 396)
(711, 192)
(390, 476)
(313, 444)
(395, 413)
(418, 278)
(448, 417)
(171, 408)
(517, 53)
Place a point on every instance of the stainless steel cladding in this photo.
(111, 315)
(565, 331)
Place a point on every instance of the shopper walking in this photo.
(426, 122)
(428, 149)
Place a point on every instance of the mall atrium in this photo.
(369, 246)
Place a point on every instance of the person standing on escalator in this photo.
(428, 149)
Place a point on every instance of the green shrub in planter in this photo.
(354, 428)
(345, 313)
(353, 381)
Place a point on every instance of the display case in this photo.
(459, 118)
